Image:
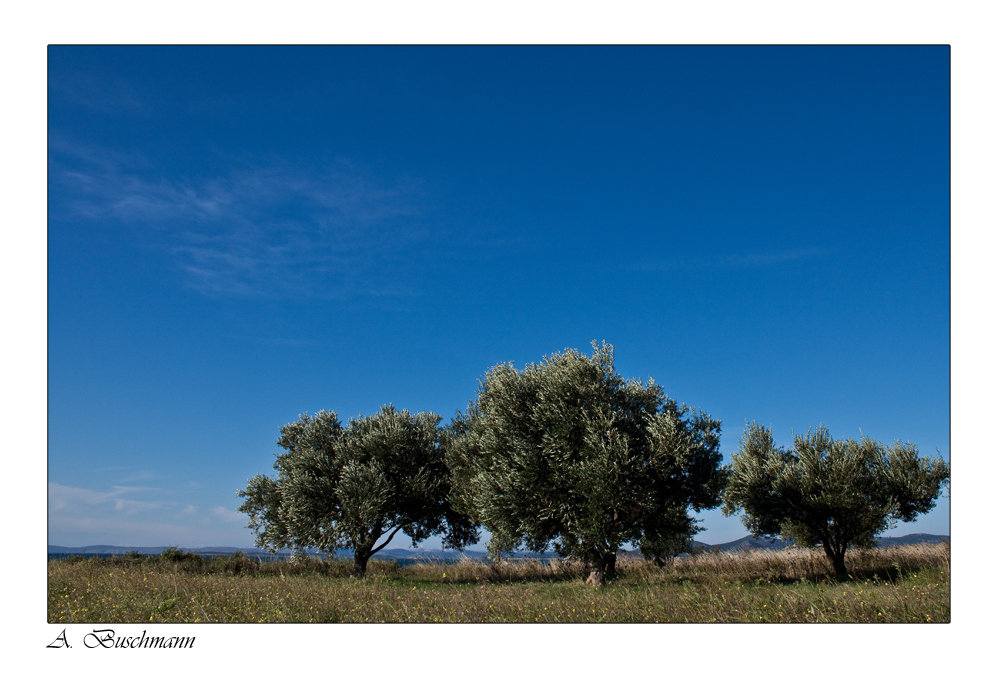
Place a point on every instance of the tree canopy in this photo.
(342, 488)
(569, 453)
(836, 493)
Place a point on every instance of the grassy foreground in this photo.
(896, 584)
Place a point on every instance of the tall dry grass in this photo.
(794, 563)
(896, 584)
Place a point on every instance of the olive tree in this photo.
(834, 493)
(348, 487)
(568, 453)
(663, 549)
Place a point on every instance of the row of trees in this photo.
(568, 455)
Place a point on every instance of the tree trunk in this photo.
(367, 548)
(360, 563)
(666, 561)
(595, 568)
(599, 567)
(836, 558)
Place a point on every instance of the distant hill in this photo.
(413, 555)
(749, 542)
(112, 550)
(913, 538)
(103, 549)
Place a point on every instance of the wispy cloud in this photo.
(77, 531)
(257, 231)
(744, 260)
(71, 498)
(229, 515)
(86, 530)
(275, 341)
(104, 93)
(128, 474)
(770, 258)
(137, 516)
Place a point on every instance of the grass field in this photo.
(895, 584)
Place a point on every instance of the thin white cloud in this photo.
(275, 341)
(79, 531)
(63, 497)
(229, 515)
(120, 515)
(84, 530)
(770, 258)
(259, 231)
(127, 473)
(104, 93)
(744, 260)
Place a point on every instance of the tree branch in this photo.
(382, 546)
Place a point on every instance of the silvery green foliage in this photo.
(569, 453)
(662, 548)
(347, 487)
(834, 493)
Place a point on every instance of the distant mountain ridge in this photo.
(747, 542)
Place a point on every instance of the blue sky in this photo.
(240, 235)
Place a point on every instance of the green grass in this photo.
(899, 584)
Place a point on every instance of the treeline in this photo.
(568, 455)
